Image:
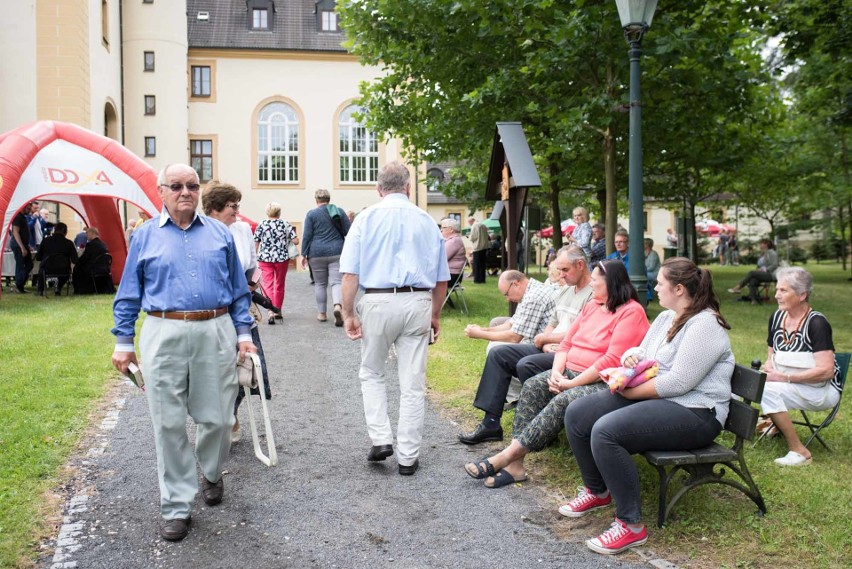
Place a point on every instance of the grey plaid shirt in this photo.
(534, 311)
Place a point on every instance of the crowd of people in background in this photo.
(45, 256)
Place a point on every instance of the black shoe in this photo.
(175, 530)
(338, 316)
(212, 491)
(379, 452)
(482, 434)
(410, 469)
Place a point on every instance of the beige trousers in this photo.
(404, 320)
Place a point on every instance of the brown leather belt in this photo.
(187, 315)
(396, 289)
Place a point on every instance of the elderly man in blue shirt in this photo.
(395, 252)
(184, 272)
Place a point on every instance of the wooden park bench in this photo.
(708, 465)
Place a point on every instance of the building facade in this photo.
(256, 93)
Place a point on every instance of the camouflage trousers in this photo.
(540, 414)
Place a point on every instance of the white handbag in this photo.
(250, 375)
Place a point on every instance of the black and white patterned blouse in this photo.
(274, 235)
(814, 335)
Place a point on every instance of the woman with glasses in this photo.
(222, 202)
(456, 254)
(326, 227)
(273, 237)
(610, 323)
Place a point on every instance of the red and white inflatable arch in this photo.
(65, 163)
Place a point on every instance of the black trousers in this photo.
(502, 364)
(479, 266)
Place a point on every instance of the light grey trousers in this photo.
(326, 271)
(189, 368)
(403, 319)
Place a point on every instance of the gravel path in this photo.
(324, 505)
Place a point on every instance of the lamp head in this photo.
(636, 12)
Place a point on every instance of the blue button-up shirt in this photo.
(615, 255)
(394, 244)
(171, 269)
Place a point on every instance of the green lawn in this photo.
(808, 508)
(55, 355)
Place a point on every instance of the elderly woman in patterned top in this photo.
(684, 407)
(801, 372)
(582, 234)
(273, 237)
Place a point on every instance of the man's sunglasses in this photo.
(176, 187)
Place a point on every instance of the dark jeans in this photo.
(504, 362)
(479, 266)
(23, 265)
(454, 278)
(605, 429)
(753, 280)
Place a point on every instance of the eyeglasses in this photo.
(177, 186)
(509, 288)
(620, 242)
(233, 206)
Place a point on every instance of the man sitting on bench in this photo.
(526, 360)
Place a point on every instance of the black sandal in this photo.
(481, 472)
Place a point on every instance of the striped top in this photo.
(814, 335)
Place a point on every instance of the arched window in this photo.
(359, 150)
(434, 179)
(277, 144)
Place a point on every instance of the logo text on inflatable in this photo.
(67, 178)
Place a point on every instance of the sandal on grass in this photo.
(481, 469)
(503, 478)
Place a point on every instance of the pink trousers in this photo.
(274, 276)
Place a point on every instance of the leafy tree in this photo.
(451, 70)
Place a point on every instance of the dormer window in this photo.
(261, 15)
(260, 19)
(327, 20)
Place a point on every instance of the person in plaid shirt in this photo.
(536, 302)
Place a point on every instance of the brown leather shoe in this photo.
(212, 491)
(175, 530)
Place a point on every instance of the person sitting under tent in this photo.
(55, 255)
(94, 261)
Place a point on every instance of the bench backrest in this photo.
(748, 384)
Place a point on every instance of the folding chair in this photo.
(54, 269)
(457, 289)
(842, 360)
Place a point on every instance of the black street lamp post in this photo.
(636, 16)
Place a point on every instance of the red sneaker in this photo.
(584, 503)
(617, 538)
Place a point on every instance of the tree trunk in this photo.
(611, 211)
(554, 206)
(601, 195)
(847, 176)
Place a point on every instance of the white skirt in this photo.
(779, 397)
